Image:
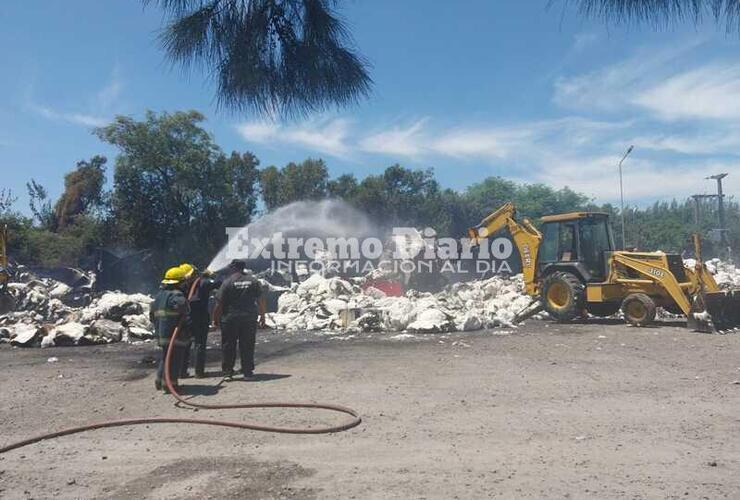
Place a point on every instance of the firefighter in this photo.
(200, 291)
(169, 311)
(239, 304)
(190, 274)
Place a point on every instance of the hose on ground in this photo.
(354, 422)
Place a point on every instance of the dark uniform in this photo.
(200, 321)
(238, 298)
(170, 309)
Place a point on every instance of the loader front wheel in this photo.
(638, 309)
(564, 296)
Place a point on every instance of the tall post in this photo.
(621, 195)
(720, 208)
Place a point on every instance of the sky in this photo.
(471, 89)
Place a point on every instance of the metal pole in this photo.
(621, 194)
(720, 208)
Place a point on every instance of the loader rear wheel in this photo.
(564, 296)
(638, 309)
(603, 309)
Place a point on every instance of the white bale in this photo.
(68, 333)
(108, 330)
(59, 290)
(289, 301)
(431, 321)
(25, 335)
(312, 283)
(138, 321)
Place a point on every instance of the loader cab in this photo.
(578, 241)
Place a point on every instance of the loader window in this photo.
(549, 248)
(595, 240)
(567, 246)
(558, 242)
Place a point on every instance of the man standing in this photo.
(169, 311)
(239, 302)
(200, 319)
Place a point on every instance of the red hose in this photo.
(356, 420)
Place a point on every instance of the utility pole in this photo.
(621, 193)
(720, 208)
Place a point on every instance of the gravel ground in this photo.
(590, 410)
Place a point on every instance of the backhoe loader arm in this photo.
(526, 238)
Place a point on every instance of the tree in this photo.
(662, 12)
(273, 57)
(174, 189)
(401, 196)
(40, 205)
(83, 190)
(7, 200)
(307, 180)
(344, 187)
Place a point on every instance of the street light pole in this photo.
(621, 192)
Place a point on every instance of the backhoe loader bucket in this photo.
(716, 312)
(724, 309)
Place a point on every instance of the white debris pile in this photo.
(51, 313)
(725, 274)
(328, 304)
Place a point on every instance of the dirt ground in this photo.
(545, 410)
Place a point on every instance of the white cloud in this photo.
(327, 136)
(75, 118)
(669, 162)
(618, 86)
(487, 141)
(644, 180)
(257, 131)
(109, 95)
(408, 141)
(720, 142)
(708, 92)
(100, 106)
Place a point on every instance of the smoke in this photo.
(304, 219)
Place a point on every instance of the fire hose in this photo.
(354, 422)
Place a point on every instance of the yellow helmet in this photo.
(189, 270)
(173, 276)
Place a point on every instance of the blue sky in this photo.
(471, 89)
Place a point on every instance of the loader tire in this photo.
(638, 309)
(603, 309)
(564, 296)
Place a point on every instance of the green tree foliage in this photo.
(307, 180)
(7, 200)
(397, 197)
(40, 205)
(344, 186)
(531, 200)
(174, 189)
(83, 191)
(274, 57)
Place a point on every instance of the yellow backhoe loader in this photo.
(571, 266)
(7, 303)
